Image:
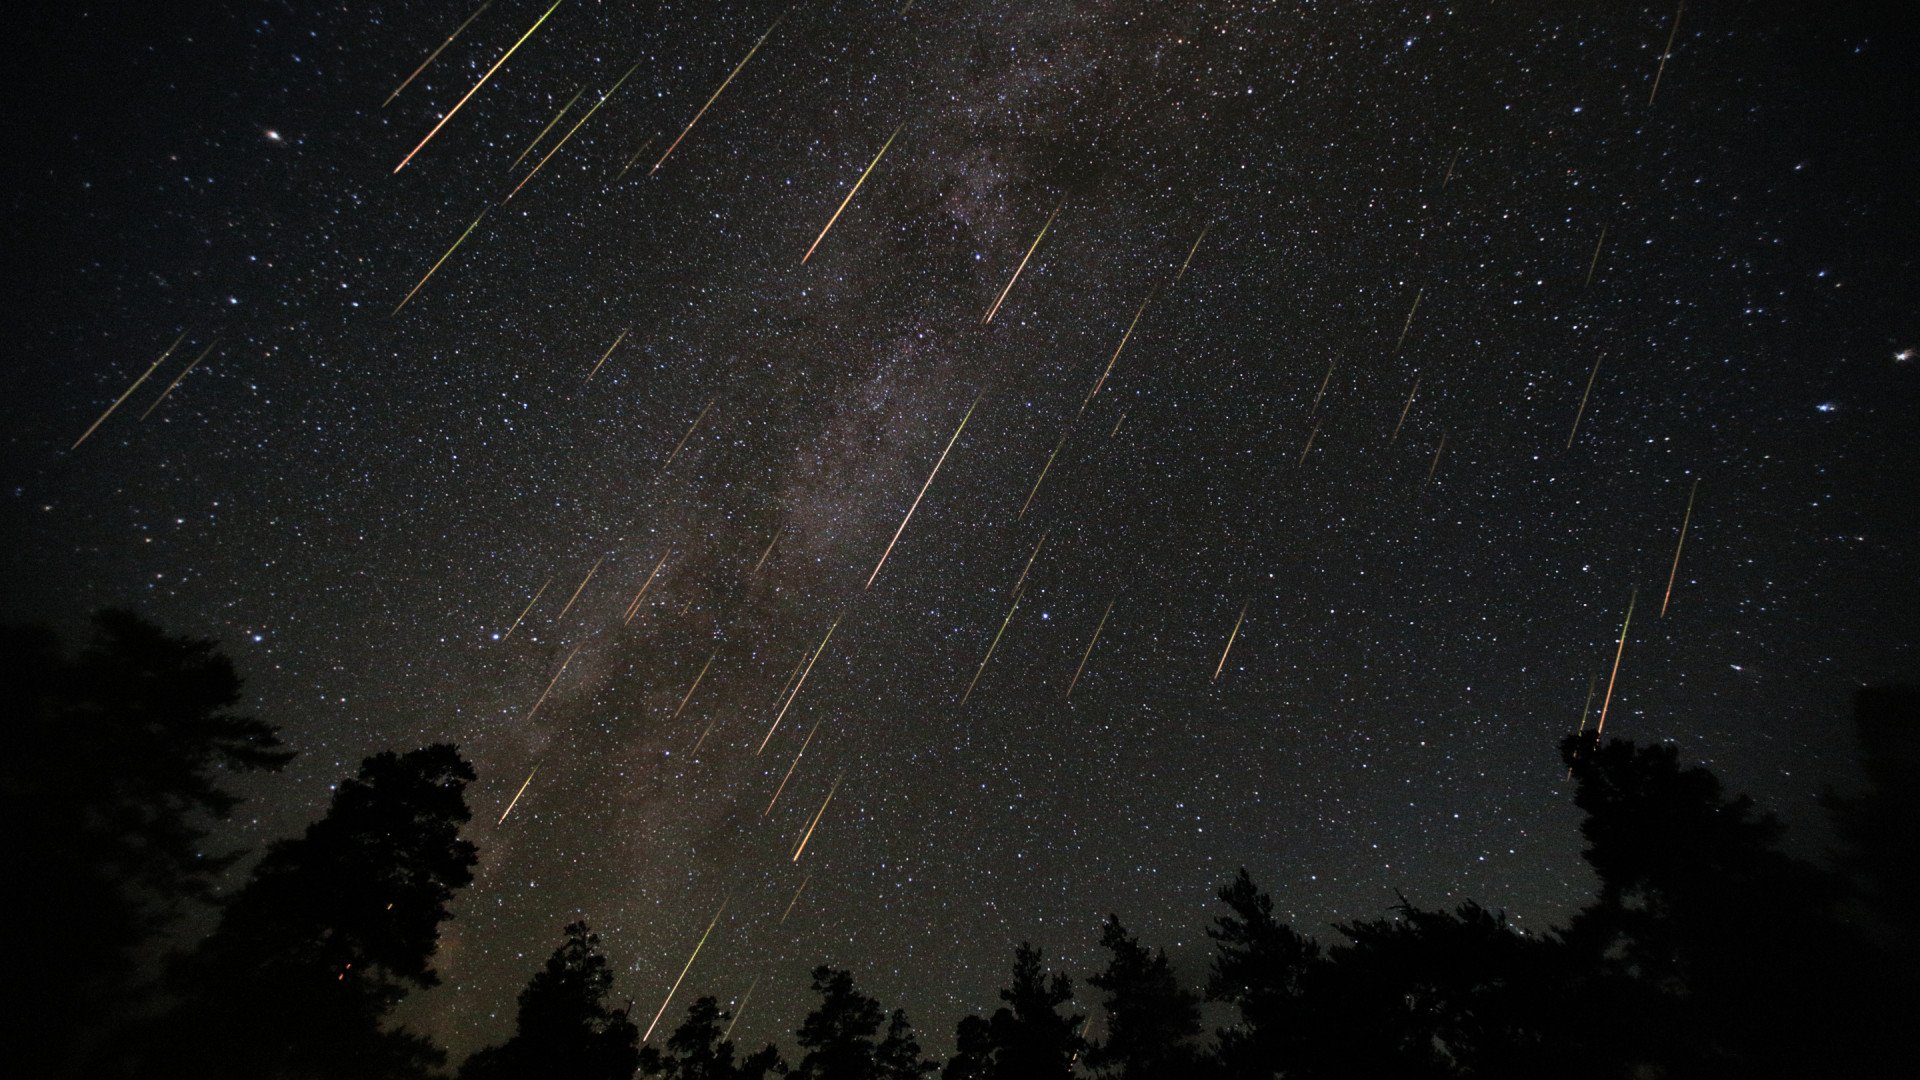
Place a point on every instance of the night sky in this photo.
(359, 503)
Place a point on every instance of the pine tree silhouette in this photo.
(842, 1038)
(565, 1029)
(1152, 1021)
(1027, 1038)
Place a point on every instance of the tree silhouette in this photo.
(842, 1039)
(1027, 1038)
(330, 932)
(1151, 1019)
(1880, 828)
(1261, 966)
(564, 1029)
(699, 1050)
(117, 756)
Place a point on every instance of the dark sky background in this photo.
(357, 504)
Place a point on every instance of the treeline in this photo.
(1707, 952)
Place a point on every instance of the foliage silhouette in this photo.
(699, 1050)
(1152, 1021)
(843, 1041)
(564, 1028)
(1027, 1038)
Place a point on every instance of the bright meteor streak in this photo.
(695, 686)
(634, 608)
(799, 685)
(790, 768)
(690, 430)
(1595, 264)
(577, 125)
(1222, 666)
(188, 370)
(564, 109)
(923, 491)
(816, 819)
(1678, 547)
(1418, 293)
(716, 94)
(1404, 410)
(1035, 246)
(476, 86)
(1115, 358)
(436, 266)
(851, 194)
(1667, 52)
(1042, 477)
(1584, 394)
(1191, 250)
(684, 970)
(604, 355)
(577, 591)
(129, 393)
(1089, 653)
(551, 683)
(435, 54)
(515, 801)
(523, 612)
(1019, 591)
(1601, 724)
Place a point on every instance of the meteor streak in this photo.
(1582, 410)
(577, 125)
(796, 898)
(436, 266)
(552, 682)
(816, 819)
(636, 157)
(790, 768)
(1085, 655)
(434, 54)
(1668, 51)
(1601, 725)
(851, 194)
(523, 611)
(1585, 710)
(1222, 666)
(1436, 455)
(798, 686)
(1042, 478)
(604, 355)
(1409, 323)
(1408, 407)
(129, 392)
(769, 551)
(476, 86)
(549, 127)
(1124, 338)
(1308, 449)
(515, 801)
(1019, 591)
(717, 93)
(1191, 250)
(1315, 407)
(684, 970)
(1595, 264)
(176, 379)
(740, 1008)
(683, 439)
(1116, 424)
(923, 491)
(1677, 547)
(695, 686)
(577, 591)
(1450, 165)
(634, 608)
(1035, 246)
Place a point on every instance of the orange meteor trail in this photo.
(434, 54)
(1436, 455)
(136, 385)
(634, 608)
(577, 125)
(695, 686)
(1408, 407)
(523, 612)
(851, 194)
(1222, 666)
(796, 898)
(1582, 410)
(816, 818)
(1601, 724)
(1409, 323)
(436, 266)
(717, 93)
(769, 551)
(1116, 424)
(923, 491)
(1675, 572)
(1662, 69)
(552, 682)
(515, 801)
(1595, 264)
(604, 355)
(1085, 655)
(1019, 591)
(796, 764)
(684, 970)
(176, 379)
(543, 131)
(1309, 447)
(1042, 477)
(799, 685)
(576, 592)
(683, 439)
(1031, 248)
(1115, 358)
(476, 86)
(1191, 250)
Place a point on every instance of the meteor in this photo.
(577, 125)
(1436, 455)
(1662, 69)
(604, 355)
(1089, 652)
(790, 768)
(740, 1008)
(1116, 424)
(851, 194)
(434, 54)
(543, 131)
(1585, 710)
(634, 608)
(1601, 724)
(683, 439)
(717, 93)
(636, 157)
(176, 379)
(1019, 591)
(1450, 165)
(1409, 323)
(799, 685)
(476, 86)
(515, 801)
(1595, 264)
(577, 591)
(695, 686)
(1677, 547)
(1222, 666)
(1042, 477)
(702, 740)
(529, 607)
(816, 819)
(1315, 407)
(1124, 338)
(769, 551)
(1309, 447)
(551, 683)
(1582, 410)
(129, 392)
(436, 266)
(1191, 250)
(1035, 246)
(1408, 407)
(796, 898)
(684, 970)
(923, 491)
